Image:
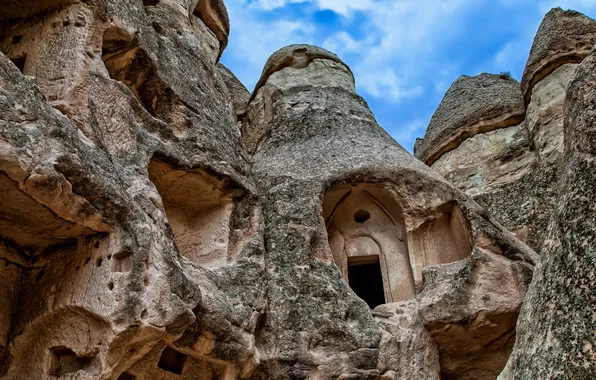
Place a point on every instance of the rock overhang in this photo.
(470, 106)
(564, 36)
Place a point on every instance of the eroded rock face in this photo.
(563, 37)
(165, 224)
(472, 105)
(102, 276)
(556, 335)
(333, 184)
(513, 171)
(537, 179)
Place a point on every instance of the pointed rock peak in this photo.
(297, 57)
(563, 37)
(471, 105)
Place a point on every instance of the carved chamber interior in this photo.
(198, 210)
(370, 244)
(34, 245)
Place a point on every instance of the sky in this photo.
(404, 53)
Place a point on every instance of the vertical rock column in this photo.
(556, 332)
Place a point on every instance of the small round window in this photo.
(361, 216)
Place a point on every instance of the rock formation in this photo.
(537, 178)
(557, 326)
(158, 222)
(502, 142)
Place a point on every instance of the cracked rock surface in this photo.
(159, 222)
(513, 169)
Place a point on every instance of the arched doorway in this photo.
(368, 240)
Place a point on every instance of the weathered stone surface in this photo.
(546, 113)
(238, 91)
(513, 171)
(13, 9)
(563, 37)
(313, 138)
(163, 223)
(487, 161)
(215, 15)
(556, 330)
(472, 105)
(96, 274)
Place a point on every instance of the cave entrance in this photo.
(366, 280)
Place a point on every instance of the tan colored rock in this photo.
(487, 161)
(13, 9)
(97, 277)
(563, 37)
(215, 15)
(546, 113)
(557, 321)
(162, 223)
(472, 105)
(389, 221)
(513, 172)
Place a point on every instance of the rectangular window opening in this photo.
(172, 361)
(366, 280)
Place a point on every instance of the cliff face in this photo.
(556, 331)
(160, 222)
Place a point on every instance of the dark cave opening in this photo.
(366, 280)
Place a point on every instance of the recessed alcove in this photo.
(198, 210)
(367, 237)
(172, 361)
(30, 225)
(366, 280)
(443, 238)
(64, 361)
(38, 249)
(126, 376)
(369, 241)
(128, 63)
(19, 62)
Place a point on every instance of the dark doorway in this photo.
(366, 280)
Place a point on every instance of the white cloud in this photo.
(397, 49)
(345, 7)
(386, 84)
(344, 42)
(253, 40)
(268, 5)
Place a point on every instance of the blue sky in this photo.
(404, 53)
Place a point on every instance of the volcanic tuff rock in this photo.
(313, 138)
(563, 37)
(472, 105)
(163, 223)
(513, 171)
(538, 179)
(556, 330)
